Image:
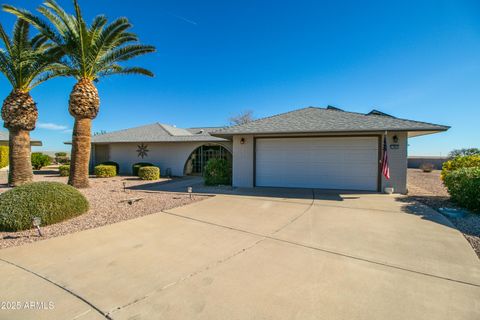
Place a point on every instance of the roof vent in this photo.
(375, 112)
(333, 108)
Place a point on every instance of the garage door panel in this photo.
(332, 163)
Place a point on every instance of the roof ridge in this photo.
(315, 119)
(265, 118)
(122, 130)
(161, 125)
(205, 127)
(423, 122)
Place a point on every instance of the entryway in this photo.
(200, 156)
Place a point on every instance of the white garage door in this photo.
(327, 163)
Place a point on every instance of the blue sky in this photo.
(418, 60)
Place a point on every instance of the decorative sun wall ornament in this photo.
(142, 150)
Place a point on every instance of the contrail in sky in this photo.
(183, 18)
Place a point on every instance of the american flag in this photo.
(385, 168)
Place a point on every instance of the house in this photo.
(4, 140)
(306, 148)
(176, 151)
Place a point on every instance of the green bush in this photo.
(3, 156)
(217, 171)
(61, 158)
(40, 160)
(64, 170)
(464, 187)
(103, 171)
(460, 162)
(51, 201)
(149, 173)
(111, 163)
(138, 165)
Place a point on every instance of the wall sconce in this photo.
(395, 139)
(242, 141)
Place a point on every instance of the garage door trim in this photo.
(379, 156)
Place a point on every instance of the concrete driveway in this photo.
(272, 254)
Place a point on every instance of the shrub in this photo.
(464, 187)
(3, 156)
(61, 157)
(40, 160)
(149, 173)
(111, 163)
(103, 171)
(460, 162)
(51, 201)
(138, 165)
(64, 170)
(427, 167)
(463, 152)
(217, 171)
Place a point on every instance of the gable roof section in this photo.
(321, 120)
(155, 132)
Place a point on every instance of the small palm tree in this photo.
(25, 62)
(92, 52)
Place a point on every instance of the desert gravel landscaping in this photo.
(107, 205)
(427, 187)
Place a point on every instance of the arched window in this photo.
(200, 156)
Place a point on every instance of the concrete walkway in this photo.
(273, 254)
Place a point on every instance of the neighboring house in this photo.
(4, 140)
(416, 162)
(176, 151)
(307, 148)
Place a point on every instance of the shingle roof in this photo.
(155, 132)
(313, 119)
(4, 139)
(204, 130)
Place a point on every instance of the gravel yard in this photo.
(107, 206)
(428, 189)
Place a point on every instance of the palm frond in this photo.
(5, 39)
(7, 68)
(28, 59)
(38, 41)
(106, 38)
(38, 23)
(57, 71)
(67, 19)
(92, 50)
(126, 71)
(59, 25)
(125, 53)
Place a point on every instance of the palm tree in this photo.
(25, 62)
(92, 52)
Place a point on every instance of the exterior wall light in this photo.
(242, 141)
(395, 139)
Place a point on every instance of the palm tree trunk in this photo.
(20, 166)
(80, 156)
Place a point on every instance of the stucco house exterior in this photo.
(176, 151)
(312, 147)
